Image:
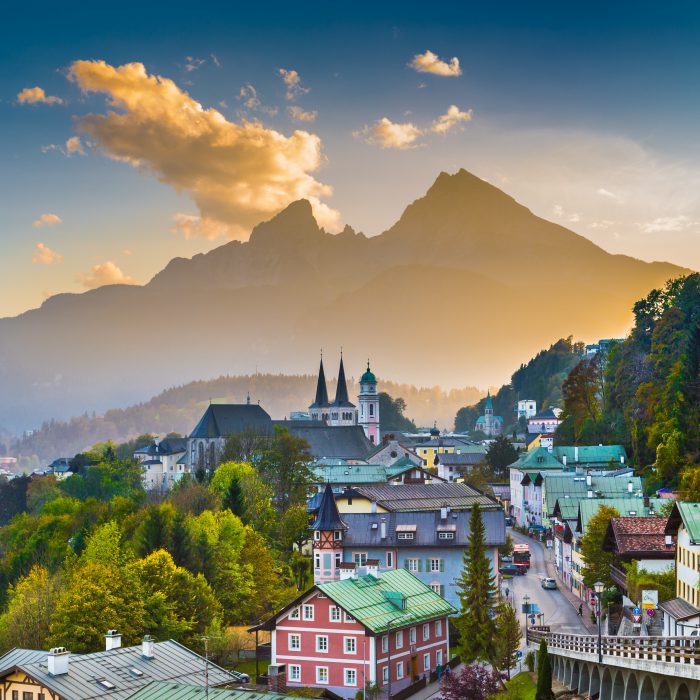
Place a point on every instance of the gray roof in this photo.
(171, 661)
(343, 442)
(679, 609)
(427, 524)
(224, 419)
(179, 691)
(461, 458)
(416, 497)
(443, 442)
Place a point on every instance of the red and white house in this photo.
(359, 630)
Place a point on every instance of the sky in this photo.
(135, 133)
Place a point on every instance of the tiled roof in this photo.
(328, 517)
(365, 599)
(221, 420)
(689, 515)
(462, 458)
(638, 537)
(417, 497)
(158, 690)
(588, 507)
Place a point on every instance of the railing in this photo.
(674, 650)
(618, 577)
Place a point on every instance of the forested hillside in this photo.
(540, 379)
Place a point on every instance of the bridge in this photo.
(633, 668)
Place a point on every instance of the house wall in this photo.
(348, 504)
(516, 496)
(21, 683)
(687, 569)
(655, 565)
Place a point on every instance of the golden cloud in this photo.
(238, 174)
(106, 273)
(36, 95)
(43, 255)
(388, 134)
(298, 114)
(74, 146)
(47, 220)
(451, 118)
(429, 62)
(292, 80)
(190, 226)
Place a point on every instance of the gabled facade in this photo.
(544, 422)
(163, 463)
(684, 525)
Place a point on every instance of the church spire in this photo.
(321, 400)
(341, 393)
(328, 517)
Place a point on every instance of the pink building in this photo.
(357, 630)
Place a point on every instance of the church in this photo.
(488, 423)
(342, 412)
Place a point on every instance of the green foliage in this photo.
(584, 392)
(40, 492)
(639, 580)
(109, 478)
(13, 497)
(530, 661)
(294, 528)
(500, 455)
(597, 562)
(476, 592)
(156, 529)
(391, 415)
(508, 636)
(507, 548)
(544, 674)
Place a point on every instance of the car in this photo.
(240, 677)
(512, 570)
(507, 559)
(509, 521)
(549, 584)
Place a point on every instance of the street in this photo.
(558, 612)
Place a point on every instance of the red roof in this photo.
(637, 538)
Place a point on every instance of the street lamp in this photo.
(599, 587)
(526, 600)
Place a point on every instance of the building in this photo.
(591, 456)
(526, 408)
(526, 484)
(682, 613)
(489, 424)
(341, 635)
(163, 690)
(342, 475)
(544, 422)
(438, 446)
(423, 529)
(602, 347)
(164, 463)
(116, 673)
(642, 540)
(455, 465)
(393, 450)
(368, 415)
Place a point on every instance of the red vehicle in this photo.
(521, 554)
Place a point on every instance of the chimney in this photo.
(563, 460)
(113, 640)
(58, 661)
(589, 479)
(147, 647)
(347, 570)
(668, 539)
(622, 459)
(382, 529)
(576, 453)
(590, 493)
(372, 567)
(630, 487)
(443, 513)
(373, 507)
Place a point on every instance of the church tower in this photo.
(488, 414)
(319, 409)
(342, 412)
(329, 533)
(369, 406)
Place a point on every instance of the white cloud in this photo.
(450, 119)
(293, 82)
(607, 193)
(429, 62)
(36, 95)
(249, 96)
(192, 226)
(298, 114)
(192, 64)
(43, 255)
(666, 224)
(558, 211)
(74, 146)
(238, 174)
(215, 60)
(388, 134)
(47, 220)
(106, 273)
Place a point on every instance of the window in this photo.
(350, 645)
(426, 631)
(412, 564)
(294, 642)
(294, 672)
(436, 565)
(15, 695)
(436, 587)
(322, 674)
(405, 535)
(349, 618)
(438, 628)
(426, 662)
(334, 613)
(308, 612)
(350, 677)
(371, 409)
(385, 643)
(385, 674)
(389, 560)
(338, 559)
(317, 534)
(399, 639)
(337, 535)
(446, 535)
(321, 643)
(399, 670)
(317, 560)
(294, 614)
(360, 558)
(412, 635)
(438, 657)
(28, 695)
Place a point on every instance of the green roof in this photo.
(369, 600)
(690, 514)
(588, 507)
(590, 454)
(539, 458)
(572, 486)
(349, 473)
(164, 690)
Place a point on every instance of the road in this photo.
(558, 612)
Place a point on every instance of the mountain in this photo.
(465, 284)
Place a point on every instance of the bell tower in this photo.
(369, 406)
(329, 535)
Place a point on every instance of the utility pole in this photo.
(526, 601)
(206, 667)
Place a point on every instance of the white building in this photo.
(526, 408)
(164, 463)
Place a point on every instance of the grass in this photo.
(524, 685)
(248, 666)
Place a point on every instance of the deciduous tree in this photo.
(475, 682)
(597, 562)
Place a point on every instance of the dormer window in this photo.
(405, 535)
(337, 535)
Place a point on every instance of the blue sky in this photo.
(587, 113)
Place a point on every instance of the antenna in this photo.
(206, 666)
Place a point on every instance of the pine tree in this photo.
(234, 498)
(544, 674)
(476, 592)
(508, 634)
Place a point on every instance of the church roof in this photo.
(321, 400)
(368, 376)
(328, 517)
(342, 400)
(489, 403)
(342, 442)
(222, 420)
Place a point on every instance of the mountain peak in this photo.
(296, 222)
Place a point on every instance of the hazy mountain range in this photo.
(464, 286)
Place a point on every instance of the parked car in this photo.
(240, 677)
(549, 584)
(512, 570)
(507, 559)
(509, 521)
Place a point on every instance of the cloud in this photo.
(128, 252)
(450, 119)
(47, 220)
(43, 255)
(666, 224)
(191, 226)
(193, 64)
(106, 273)
(249, 95)
(607, 193)
(293, 82)
(429, 62)
(215, 60)
(36, 95)
(297, 114)
(559, 212)
(388, 134)
(74, 146)
(237, 174)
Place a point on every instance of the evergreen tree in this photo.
(181, 543)
(500, 455)
(508, 634)
(233, 500)
(476, 591)
(544, 674)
